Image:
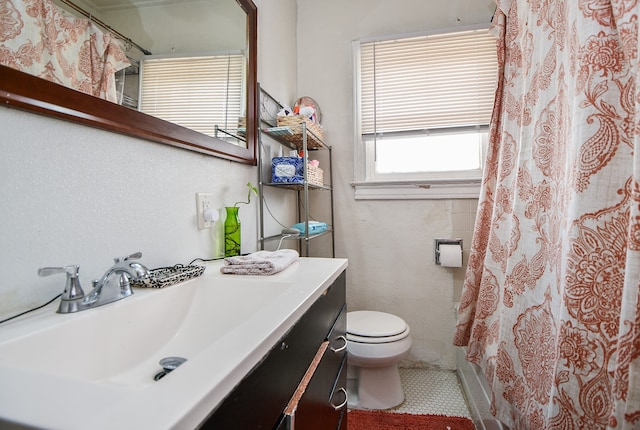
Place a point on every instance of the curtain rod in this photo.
(105, 26)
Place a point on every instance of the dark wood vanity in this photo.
(301, 382)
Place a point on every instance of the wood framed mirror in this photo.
(28, 92)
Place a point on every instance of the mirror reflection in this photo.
(182, 61)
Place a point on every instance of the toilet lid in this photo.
(373, 324)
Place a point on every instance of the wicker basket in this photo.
(314, 139)
(315, 175)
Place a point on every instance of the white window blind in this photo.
(198, 92)
(427, 82)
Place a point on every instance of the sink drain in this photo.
(168, 364)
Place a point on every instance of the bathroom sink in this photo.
(98, 366)
(124, 342)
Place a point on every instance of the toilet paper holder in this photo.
(438, 242)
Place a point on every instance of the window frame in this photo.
(430, 185)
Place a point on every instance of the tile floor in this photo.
(429, 391)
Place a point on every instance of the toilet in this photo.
(376, 342)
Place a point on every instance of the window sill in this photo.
(416, 190)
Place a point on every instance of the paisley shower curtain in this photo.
(550, 308)
(38, 38)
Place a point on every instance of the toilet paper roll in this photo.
(450, 255)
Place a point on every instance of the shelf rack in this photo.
(295, 138)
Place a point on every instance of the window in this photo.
(203, 93)
(423, 109)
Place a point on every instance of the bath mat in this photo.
(379, 420)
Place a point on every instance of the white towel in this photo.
(260, 263)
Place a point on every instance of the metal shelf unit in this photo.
(298, 138)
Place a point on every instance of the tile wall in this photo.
(463, 219)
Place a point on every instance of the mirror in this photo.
(148, 25)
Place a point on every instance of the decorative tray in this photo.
(166, 276)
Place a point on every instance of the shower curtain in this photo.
(38, 38)
(550, 307)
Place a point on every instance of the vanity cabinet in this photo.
(303, 377)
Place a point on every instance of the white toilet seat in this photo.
(373, 340)
(375, 327)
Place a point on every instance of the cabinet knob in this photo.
(343, 404)
(343, 347)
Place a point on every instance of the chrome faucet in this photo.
(114, 284)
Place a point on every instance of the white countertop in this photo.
(182, 399)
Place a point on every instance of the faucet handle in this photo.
(134, 256)
(72, 288)
(48, 271)
(140, 270)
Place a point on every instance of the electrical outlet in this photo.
(203, 203)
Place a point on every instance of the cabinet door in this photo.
(321, 399)
(320, 402)
(325, 401)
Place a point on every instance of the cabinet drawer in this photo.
(320, 402)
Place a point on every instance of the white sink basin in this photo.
(124, 342)
(97, 366)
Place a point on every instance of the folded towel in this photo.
(260, 263)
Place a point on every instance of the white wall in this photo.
(76, 195)
(389, 243)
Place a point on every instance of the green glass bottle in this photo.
(232, 232)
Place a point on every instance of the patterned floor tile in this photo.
(429, 391)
